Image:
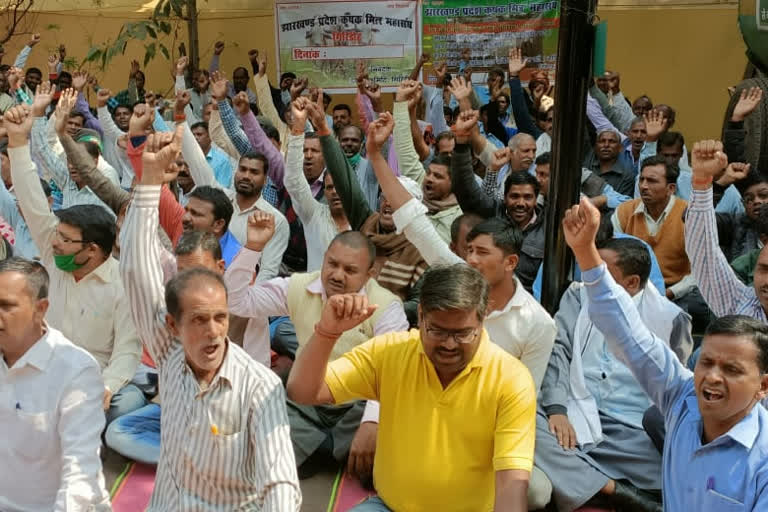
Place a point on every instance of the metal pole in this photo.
(574, 64)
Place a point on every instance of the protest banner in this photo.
(323, 40)
(478, 35)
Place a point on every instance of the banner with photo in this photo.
(323, 41)
(478, 35)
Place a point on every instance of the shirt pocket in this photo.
(31, 435)
(221, 458)
(713, 500)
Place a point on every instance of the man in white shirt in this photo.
(88, 302)
(249, 179)
(516, 322)
(50, 404)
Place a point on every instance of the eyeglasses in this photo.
(69, 240)
(461, 337)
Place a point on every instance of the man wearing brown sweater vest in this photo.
(657, 219)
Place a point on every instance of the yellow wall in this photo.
(685, 57)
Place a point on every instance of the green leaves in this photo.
(166, 15)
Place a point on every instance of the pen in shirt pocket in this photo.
(214, 428)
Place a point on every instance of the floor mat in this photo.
(133, 488)
(346, 493)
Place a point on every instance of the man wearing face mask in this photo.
(87, 298)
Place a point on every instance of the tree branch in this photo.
(18, 9)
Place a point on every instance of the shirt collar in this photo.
(532, 221)
(39, 354)
(227, 369)
(517, 300)
(641, 208)
(107, 270)
(227, 239)
(744, 432)
(483, 353)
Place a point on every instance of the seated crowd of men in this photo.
(241, 289)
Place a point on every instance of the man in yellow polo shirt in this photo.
(457, 420)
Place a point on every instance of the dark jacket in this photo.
(473, 200)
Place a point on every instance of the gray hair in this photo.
(637, 119)
(194, 240)
(454, 287)
(34, 273)
(517, 139)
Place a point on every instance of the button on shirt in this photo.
(225, 446)
(92, 312)
(728, 474)
(51, 418)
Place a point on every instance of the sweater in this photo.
(669, 242)
(306, 307)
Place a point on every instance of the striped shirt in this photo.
(225, 447)
(724, 292)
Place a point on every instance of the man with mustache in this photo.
(351, 142)
(716, 456)
(397, 265)
(518, 206)
(320, 433)
(224, 431)
(435, 179)
(249, 180)
(515, 321)
(458, 412)
(657, 219)
(323, 221)
(607, 163)
(87, 298)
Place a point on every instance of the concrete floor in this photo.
(316, 491)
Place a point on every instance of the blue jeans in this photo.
(127, 399)
(137, 435)
(372, 504)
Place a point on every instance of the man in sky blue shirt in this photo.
(716, 455)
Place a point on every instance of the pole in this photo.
(574, 64)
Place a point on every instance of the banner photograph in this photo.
(323, 40)
(465, 33)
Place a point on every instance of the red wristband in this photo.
(179, 117)
(701, 181)
(325, 334)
